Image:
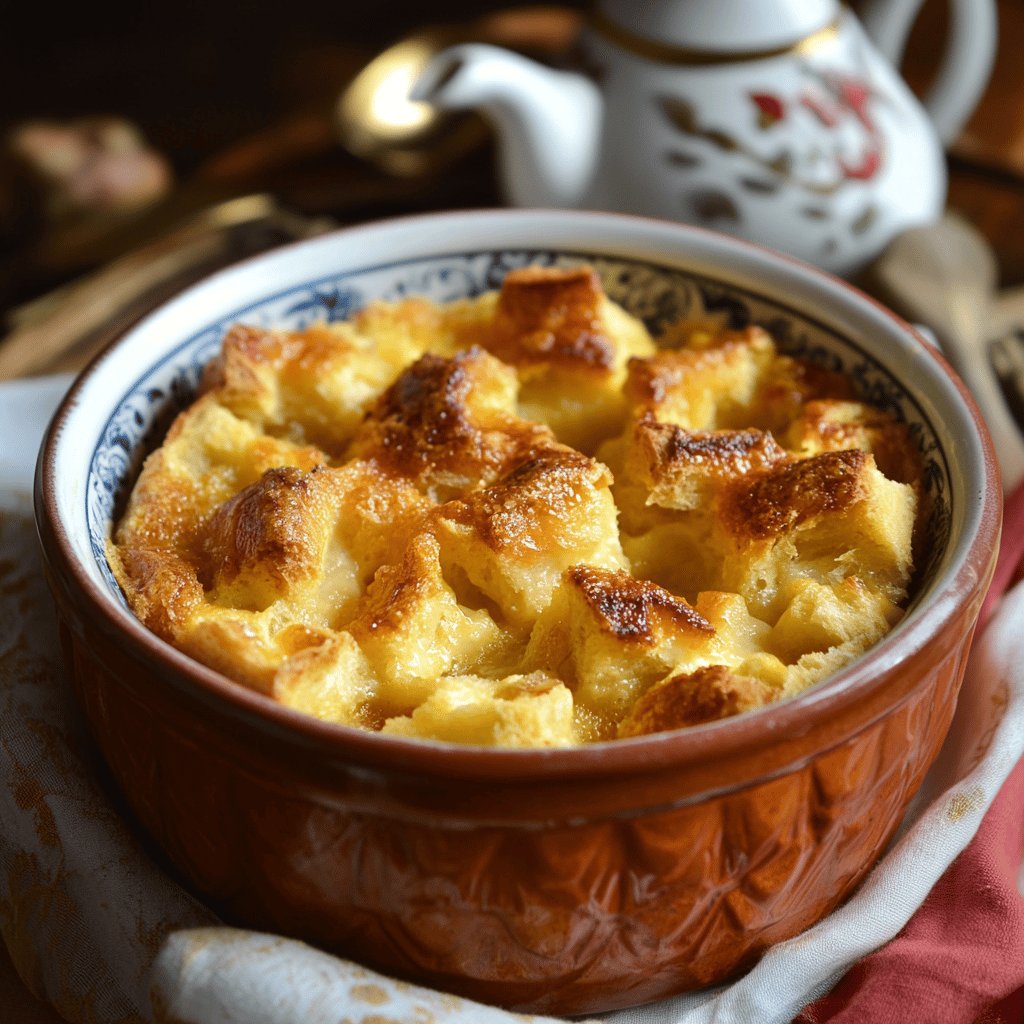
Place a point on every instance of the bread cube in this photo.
(534, 710)
(513, 540)
(413, 630)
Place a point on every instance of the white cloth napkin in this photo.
(97, 929)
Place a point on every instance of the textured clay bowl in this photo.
(560, 880)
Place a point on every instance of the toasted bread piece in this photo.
(513, 540)
(270, 541)
(826, 518)
(413, 630)
(830, 425)
(330, 679)
(406, 329)
(450, 425)
(208, 457)
(708, 388)
(704, 695)
(611, 636)
(534, 710)
(570, 346)
(665, 466)
(310, 386)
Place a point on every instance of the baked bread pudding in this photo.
(518, 520)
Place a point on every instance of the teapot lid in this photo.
(720, 26)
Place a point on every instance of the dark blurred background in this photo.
(240, 98)
(198, 76)
(234, 98)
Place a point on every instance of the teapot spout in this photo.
(548, 122)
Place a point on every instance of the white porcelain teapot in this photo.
(782, 121)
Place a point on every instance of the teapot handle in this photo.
(966, 64)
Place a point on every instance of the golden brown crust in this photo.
(397, 590)
(789, 385)
(553, 316)
(272, 531)
(308, 386)
(396, 522)
(776, 501)
(679, 463)
(625, 607)
(517, 514)
(165, 517)
(706, 695)
(841, 425)
(378, 514)
(412, 628)
(727, 369)
(450, 423)
(733, 379)
(164, 589)
(234, 371)
(722, 452)
(289, 356)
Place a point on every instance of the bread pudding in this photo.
(519, 520)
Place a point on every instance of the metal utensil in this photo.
(944, 276)
(376, 119)
(1006, 350)
(63, 329)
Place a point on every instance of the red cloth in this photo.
(960, 959)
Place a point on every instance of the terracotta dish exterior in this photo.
(563, 881)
